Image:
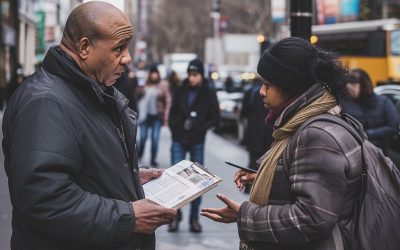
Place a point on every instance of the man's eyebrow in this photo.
(122, 41)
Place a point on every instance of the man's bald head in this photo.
(87, 20)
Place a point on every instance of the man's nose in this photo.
(126, 57)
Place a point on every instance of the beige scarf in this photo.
(263, 182)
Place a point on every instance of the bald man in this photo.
(69, 145)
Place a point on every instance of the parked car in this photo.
(393, 93)
(230, 105)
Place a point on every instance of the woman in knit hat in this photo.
(304, 193)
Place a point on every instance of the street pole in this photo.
(216, 14)
(384, 9)
(301, 18)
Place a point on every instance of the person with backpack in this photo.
(308, 183)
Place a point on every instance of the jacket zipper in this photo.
(121, 135)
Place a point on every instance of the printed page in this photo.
(180, 184)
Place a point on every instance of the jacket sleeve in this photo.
(173, 113)
(213, 114)
(318, 184)
(391, 122)
(45, 159)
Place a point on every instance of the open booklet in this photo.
(180, 184)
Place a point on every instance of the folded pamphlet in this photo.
(180, 184)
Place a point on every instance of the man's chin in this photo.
(110, 82)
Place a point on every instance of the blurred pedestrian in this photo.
(174, 82)
(376, 113)
(154, 105)
(17, 78)
(127, 85)
(304, 193)
(69, 146)
(229, 84)
(194, 110)
(258, 135)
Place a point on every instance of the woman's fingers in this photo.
(239, 174)
(218, 211)
(212, 216)
(230, 203)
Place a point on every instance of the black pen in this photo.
(240, 167)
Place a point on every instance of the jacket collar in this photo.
(314, 92)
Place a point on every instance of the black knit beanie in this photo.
(196, 65)
(289, 64)
(153, 69)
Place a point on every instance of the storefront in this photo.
(8, 42)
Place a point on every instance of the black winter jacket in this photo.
(70, 158)
(205, 108)
(378, 116)
(257, 136)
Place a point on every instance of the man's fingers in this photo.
(171, 213)
(157, 172)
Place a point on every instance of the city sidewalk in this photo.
(215, 235)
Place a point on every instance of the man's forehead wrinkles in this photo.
(122, 31)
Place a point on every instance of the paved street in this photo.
(215, 235)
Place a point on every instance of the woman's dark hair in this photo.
(294, 65)
(153, 69)
(362, 77)
(329, 70)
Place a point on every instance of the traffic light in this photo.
(216, 6)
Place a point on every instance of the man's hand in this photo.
(147, 175)
(228, 214)
(242, 178)
(149, 216)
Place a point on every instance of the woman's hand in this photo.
(228, 214)
(242, 178)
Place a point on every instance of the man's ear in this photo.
(84, 45)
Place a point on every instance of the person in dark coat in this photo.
(127, 85)
(258, 135)
(173, 82)
(229, 84)
(17, 78)
(194, 110)
(304, 193)
(69, 148)
(376, 113)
